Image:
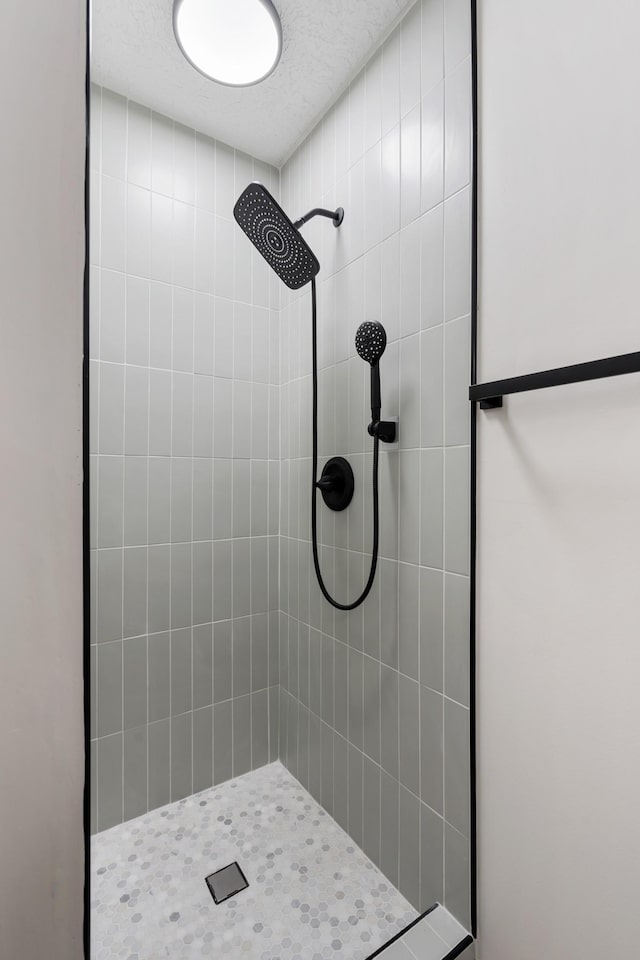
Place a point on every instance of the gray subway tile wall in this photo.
(185, 466)
(213, 651)
(375, 703)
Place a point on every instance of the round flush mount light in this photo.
(234, 42)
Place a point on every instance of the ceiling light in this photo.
(235, 42)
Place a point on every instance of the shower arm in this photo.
(336, 216)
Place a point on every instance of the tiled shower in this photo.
(374, 713)
(213, 652)
(185, 467)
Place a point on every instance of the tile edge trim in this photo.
(402, 932)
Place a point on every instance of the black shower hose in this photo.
(314, 489)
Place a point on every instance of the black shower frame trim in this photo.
(473, 841)
(86, 526)
(459, 948)
(86, 933)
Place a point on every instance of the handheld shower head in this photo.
(274, 236)
(371, 340)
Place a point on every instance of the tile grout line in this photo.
(336, 733)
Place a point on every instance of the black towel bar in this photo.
(489, 395)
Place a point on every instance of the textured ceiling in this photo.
(134, 53)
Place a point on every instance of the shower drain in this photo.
(226, 882)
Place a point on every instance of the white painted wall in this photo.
(41, 267)
(559, 482)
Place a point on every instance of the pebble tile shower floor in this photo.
(312, 893)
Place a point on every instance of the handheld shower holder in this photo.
(384, 430)
(371, 341)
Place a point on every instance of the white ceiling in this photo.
(134, 53)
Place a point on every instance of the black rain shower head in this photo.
(272, 233)
(371, 340)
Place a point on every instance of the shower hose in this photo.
(314, 490)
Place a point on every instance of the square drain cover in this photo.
(226, 882)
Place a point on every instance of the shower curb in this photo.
(430, 949)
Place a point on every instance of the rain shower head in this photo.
(272, 233)
(371, 340)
